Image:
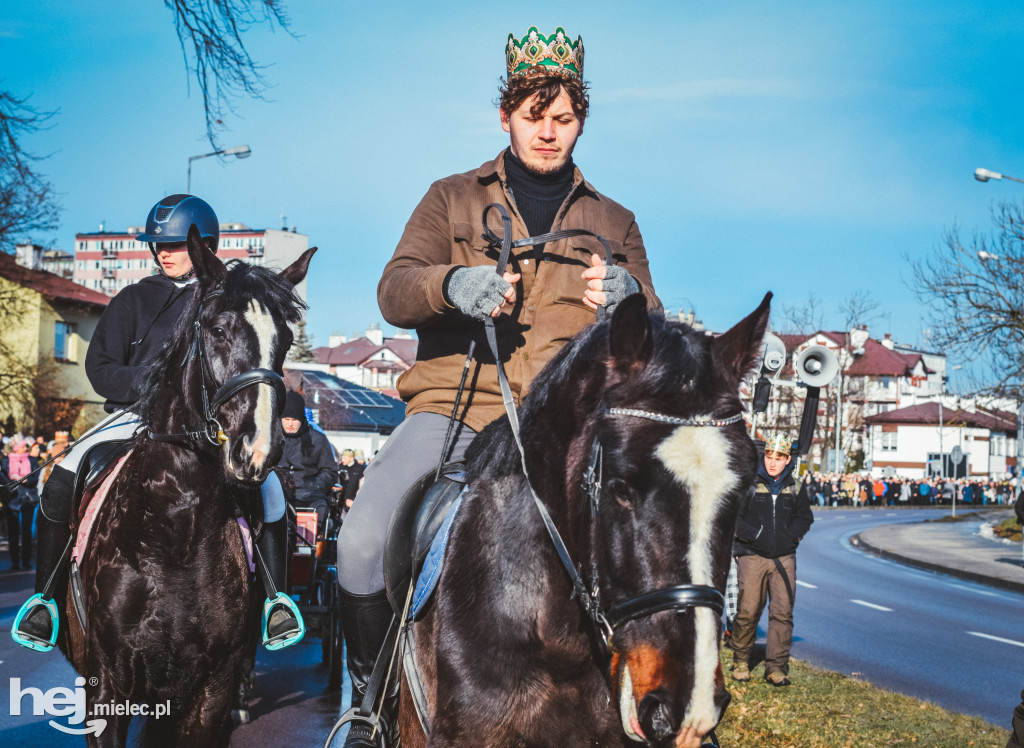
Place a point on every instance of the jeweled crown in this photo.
(536, 54)
(779, 443)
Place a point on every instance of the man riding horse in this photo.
(442, 282)
(128, 337)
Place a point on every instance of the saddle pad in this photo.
(431, 571)
(85, 526)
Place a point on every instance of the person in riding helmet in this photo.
(442, 282)
(129, 335)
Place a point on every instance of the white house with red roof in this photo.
(875, 376)
(371, 360)
(910, 442)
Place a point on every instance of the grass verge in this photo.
(823, 708)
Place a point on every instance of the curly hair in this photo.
(518, 88)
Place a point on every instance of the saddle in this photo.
(413, 527)
(93, 468)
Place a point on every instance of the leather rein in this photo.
(209, 432)
(680, 597)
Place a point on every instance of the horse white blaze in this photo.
(266, 331)
(699, 458)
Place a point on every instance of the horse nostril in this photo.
(657, 718)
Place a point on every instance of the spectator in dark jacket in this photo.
(308, 458)
(769, 527)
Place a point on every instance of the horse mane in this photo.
(242, 284)
(571, 387)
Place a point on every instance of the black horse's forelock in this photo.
(242, 284)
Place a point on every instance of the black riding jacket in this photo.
(130, 333)
(772, 528)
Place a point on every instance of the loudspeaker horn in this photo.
(816, 366)
(773, 353)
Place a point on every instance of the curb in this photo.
(1006, 584)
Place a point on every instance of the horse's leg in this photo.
(115, 732)
(206, 721)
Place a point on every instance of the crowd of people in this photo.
(861, 489)
(21, 458)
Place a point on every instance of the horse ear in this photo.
(205, 262)
(630, 340)
(295, 272)
(735, 352)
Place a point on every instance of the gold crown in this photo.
(779, 443)
(536, 54)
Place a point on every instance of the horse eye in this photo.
(218, 332)
(621, 490)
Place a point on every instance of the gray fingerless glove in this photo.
(617, 285)
(476, 291)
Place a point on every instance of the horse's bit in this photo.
(211, 432)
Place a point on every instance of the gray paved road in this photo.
(959, 644)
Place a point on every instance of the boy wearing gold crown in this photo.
(769, 527)
(442, 282)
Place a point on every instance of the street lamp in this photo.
(240, 151)
(983, 175)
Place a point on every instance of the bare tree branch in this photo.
(858, 310)
(210, 33)
(975, 295)
(804, 319)
(26, 199)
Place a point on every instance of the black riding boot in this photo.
(273, 545)
(365, 620)
(52, 535)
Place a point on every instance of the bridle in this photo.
(680, 597)
(209, 432)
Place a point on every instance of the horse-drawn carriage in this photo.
(313, 581)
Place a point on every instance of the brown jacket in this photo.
(446, 231)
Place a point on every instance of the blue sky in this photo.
(799, 147)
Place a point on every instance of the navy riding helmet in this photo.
(169, 220)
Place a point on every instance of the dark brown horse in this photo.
(169, 614)
(507, 653)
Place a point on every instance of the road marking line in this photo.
(872, 605)
(972, 589)
(807, 585)
(996, 638)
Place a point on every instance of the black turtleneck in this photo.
(538, 196)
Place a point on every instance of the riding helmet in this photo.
(169, 220)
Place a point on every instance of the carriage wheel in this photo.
(332, 639)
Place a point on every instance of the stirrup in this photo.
(288, 638)
(33, 642)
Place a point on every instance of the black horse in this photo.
(169, 613)
(516, 650)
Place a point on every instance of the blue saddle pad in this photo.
(426, 582)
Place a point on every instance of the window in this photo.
(885, 382)
(889, 441)
(63, 341)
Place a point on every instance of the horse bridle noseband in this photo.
(210, 432)
(680, 597)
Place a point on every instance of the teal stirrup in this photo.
(283, 640)
(40, 645)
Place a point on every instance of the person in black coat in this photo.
(308, 459)
(771, 523)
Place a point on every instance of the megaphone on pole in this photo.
(816, 366)
(773, 353)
